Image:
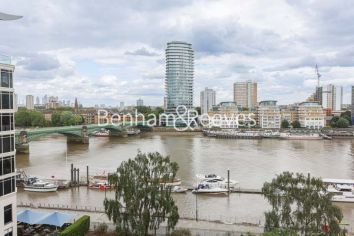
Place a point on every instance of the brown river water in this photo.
(251, 162)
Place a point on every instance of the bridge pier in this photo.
(83, 138)
(22, 145)
(22, 148)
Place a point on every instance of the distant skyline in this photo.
(113, 51)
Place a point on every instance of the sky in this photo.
(112, 51)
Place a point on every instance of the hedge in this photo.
(78, 228)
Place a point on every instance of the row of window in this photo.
(7, 143)
(6, 78)
(7, 121)
(6, 100)
(7, 186)
(7, 165)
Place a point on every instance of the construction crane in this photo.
(318, 76)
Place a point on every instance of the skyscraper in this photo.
(207, 100)
(45, 100)
(332, 97)
(245, 94)
(29, 102)
(7, 150)
(37, 101)
(139, 102)
(179, 75)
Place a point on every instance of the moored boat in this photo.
(133, 131)
(341, 189)
(179, 189)
(102, 133)
(208, 189)
(301, 136)
(217, 181)
(35, 185)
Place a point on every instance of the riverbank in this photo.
(200, 227)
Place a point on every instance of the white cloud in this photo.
(112, 51)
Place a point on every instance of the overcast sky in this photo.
(112, 51)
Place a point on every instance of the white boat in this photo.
(174, 182)
(206, 188)
(102, 133)
(133, 131)
(179, 189)
(209, 177)
(301, 136)
(342, 189)
(217, 181)
(41, 186)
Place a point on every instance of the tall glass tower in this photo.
(179, 75)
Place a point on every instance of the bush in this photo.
(101, 228)
(181, 232)
(78, 228)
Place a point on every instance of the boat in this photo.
(179, 189)
(174, 182)
(301, 136)
(217, 181)
(102, 133)
(133, 131)
(341, 189)
(100, 186)
(36, 185)
(270, 134)
(208, 189)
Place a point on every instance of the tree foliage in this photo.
(300, 204)
(342, 123)
(285, 124)
(141, 202)
(29, 118)
(296, 124)
(334, 121)
(347, 115)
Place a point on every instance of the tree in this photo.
(55, 118)
(67, 118)
(141, 202)
(300, 204)
(342, 123)
(296, 124)
(347, 115)
(28, 118)
(334, 121)
(284, 124)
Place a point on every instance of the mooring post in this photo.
(228, 181)
(78, 177)
(71, 172)
(74, 177)
(87, 175)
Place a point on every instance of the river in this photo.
(251, 162)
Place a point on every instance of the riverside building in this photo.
(8, 223)
(268, 115)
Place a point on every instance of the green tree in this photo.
(347, 115)
(300, 204)
(28, 118)
(67, 118)
(284, 124)
(342, 123)
(334, 121)
(141, 202)
(55, 118)
(296, 124)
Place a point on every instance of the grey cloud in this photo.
(141, 52)
(40, 62)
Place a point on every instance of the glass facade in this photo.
(179, 75)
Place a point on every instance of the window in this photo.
(6, 100)
(9, 232)
(7, 143)
(6, 121)
(7, 186)
(7, 165)
(6, 78)
(8, 214)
